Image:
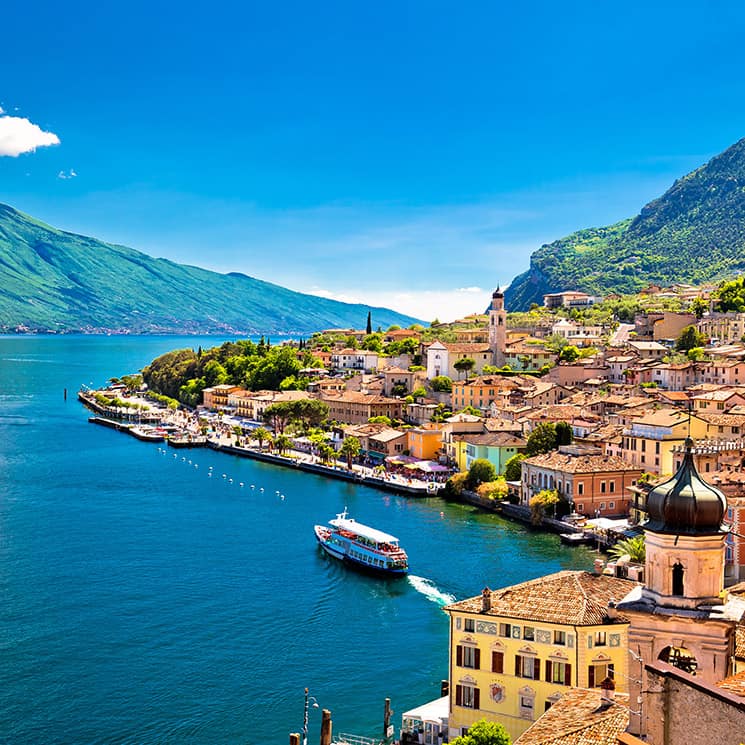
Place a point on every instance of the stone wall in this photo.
(679, 709)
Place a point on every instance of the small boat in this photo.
(147, 433)
(362, 546)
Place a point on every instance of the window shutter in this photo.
(459, 656)
(517, 665)
(591, 676)
(568, 675)
(459, 695)
(476, 698)
(548, 671)
(536, 669)
(477, 659)
(497, 662)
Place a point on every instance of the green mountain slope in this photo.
(53, 280)
(694, 232)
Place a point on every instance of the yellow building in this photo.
(515, 651)
(425, 443)
(652, 438)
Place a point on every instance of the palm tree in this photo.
(261, 434)
(633, 547)
(283, 442)
(351, 448)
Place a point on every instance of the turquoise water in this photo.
(143, 601)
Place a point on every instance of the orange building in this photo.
(425, 443)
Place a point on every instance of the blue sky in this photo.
(410, 154)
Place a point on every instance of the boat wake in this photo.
(427, 588)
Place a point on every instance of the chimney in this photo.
(608, 688)
(485, 600)
(598, 566)
(612, 612)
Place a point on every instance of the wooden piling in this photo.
(326, 727)
(386, 718)
(294, 739)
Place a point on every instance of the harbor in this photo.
(179, 606)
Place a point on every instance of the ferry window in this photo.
(529, 633)
(560, 637)
(469, 624)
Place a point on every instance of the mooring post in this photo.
(294, 739)
(325, 727)
(386, 718)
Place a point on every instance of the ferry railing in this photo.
(346, 739)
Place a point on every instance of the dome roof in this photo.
(685, 503)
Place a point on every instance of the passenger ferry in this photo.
(362, 546)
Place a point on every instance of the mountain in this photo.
(693, 233)
(59, 281)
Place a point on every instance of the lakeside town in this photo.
(620, 428)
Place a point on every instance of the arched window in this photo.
(678, 579)
(679, 657)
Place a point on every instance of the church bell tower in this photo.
(497, 328)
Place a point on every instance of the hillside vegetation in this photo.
(58, 281)
(693, 233)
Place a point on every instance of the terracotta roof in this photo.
(467, 347)
(568, 597)
(734, 684)
(568, 463)
(579, 717)
(495, 439)
(740, 642)
(725, 419)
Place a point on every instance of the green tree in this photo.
(484, 733)
(689, 338)
(260, 434)
(543, 504)
(698, 307)
(369, 323)
(569, 354)
(278, 416)
(420, 392)
(350, 449)
(465, 364)
(282, 443)
(372, 343)
(480, 472)
(696, 354)
(542, 439)
(513, 468)
(495, 490)
(564, 434)
(441, 384)
(634, 547)
(382, 419)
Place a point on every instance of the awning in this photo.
(434, 711)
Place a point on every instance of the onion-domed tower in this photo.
(497, 328)
(681, 615)
(685, 539)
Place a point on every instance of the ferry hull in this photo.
(338, 552)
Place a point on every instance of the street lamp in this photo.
(308, 700)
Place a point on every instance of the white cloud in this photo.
(67, 175)
(445, 305)
(19, 136)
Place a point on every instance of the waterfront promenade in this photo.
(220, 437)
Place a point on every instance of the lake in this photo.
(144, 601)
